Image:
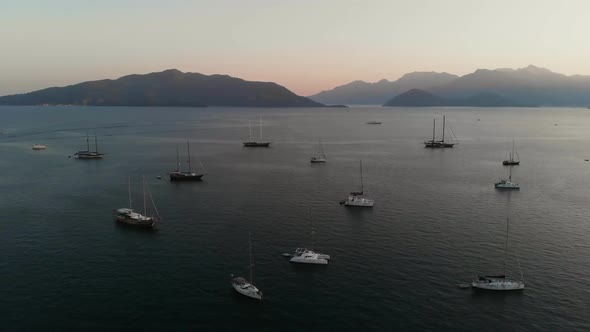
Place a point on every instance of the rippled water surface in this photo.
(437, 220)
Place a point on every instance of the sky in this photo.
(305, 45)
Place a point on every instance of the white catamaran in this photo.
(500, 282)
(321, 157)
(357, 198)
(243, 286)
(507, 183)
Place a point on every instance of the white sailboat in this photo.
(357, 198)
(500, 282)
(241, 284)
(507, 183)
(309, 256)
(129, 216)
(321, 157)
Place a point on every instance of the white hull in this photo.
(246, 289)
(498, 284)
(319, 261)
(505, 184)
(359, 201)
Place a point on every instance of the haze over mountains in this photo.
(509, 87)
(168, 88)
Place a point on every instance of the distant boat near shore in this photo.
(373, 122)
(39, 147)
(87, 154)
(251, 142)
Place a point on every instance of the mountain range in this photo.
(167, 88)
(421, 98)
(524, 86)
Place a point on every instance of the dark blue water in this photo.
(437, 220)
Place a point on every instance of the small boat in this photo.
(357, 198)
(500, 282)
(39, 147)
(87, 154)
(178, 175)
(511, 160)
(286, 254)
(433, 143)
(251, 142)
(464, 286)
(128, 216)
(309, 256)
(242, 285)
(507, 183)
(373, 122)
(321, 157)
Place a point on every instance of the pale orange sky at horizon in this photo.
(307, 46)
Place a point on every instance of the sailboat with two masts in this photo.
(251, 142)
(433, 143)
(241, 284)
(512, 160)
(178, 175)
(357, 198)
(321, 157)
(129, 216)
(500, 282)
(87, 154)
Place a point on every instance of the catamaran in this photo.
(511, 160)
(321, 157)
(433, 143)
(241, 284)
(357, 198)
(251, 142)
(130, 217)
(507, 183)
(500, 282)
(178, 175)
(87, 154)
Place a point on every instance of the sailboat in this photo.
(87, 154)
(243, 286)
(130, 217)
(507, 183)
(251, 142)
(433, 143)
(511, 160)
(356, 198)
(321, 158)
(307, 255)
(189, 175)
(500, 282)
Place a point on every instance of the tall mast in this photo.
(95, 144)
(512, 155)
(443, 138)
(177, 161)
(312, 231)
(87, 143)
(510, 176)
(506, 245)
(260, 120)
(130, 193)
(188, 147)
(362, 187)
(250, 254)
(250, 130)
(433, 128)
(143, 188)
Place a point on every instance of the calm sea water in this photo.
(437, 220)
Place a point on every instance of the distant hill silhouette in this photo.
(524, 86)
(421, 98)
(168, 88)
(363, 93)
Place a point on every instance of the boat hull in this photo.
(498, 285)
(89, 156)
(256, 144)
(185, 176)
(317, 160)
(249, 291)
(318, 261)
(510, 163)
